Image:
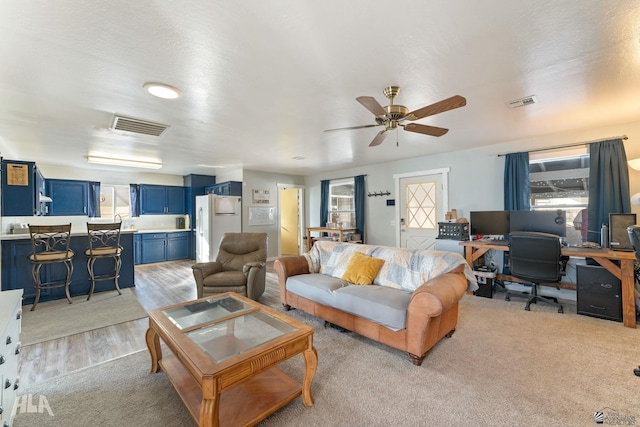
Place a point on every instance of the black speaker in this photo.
(599, 293)
(618, 235)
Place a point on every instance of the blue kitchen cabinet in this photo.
(159, 247)
(70, 197)
(153, 247)
(16, 269)
(178, 245)
(162, 199)
(137, 249)
(22, 184)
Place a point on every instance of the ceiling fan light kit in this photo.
(393, 115)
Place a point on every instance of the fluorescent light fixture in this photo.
(634, 164)
(123, 162)
(162, 90)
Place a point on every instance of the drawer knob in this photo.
(19, 314)
(18, 348)
(7, 383)
(9, 340)
(2, 359)
(1, 410)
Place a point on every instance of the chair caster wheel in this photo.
(507, 298)
(560, 310)
(527, 308)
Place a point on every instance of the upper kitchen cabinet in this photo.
(70, 197)
(228, 188)
(23, 189)
(162, 199)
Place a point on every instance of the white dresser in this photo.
(10, 321)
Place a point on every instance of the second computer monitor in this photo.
(551, 221)
(489, 223)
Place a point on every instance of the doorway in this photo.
(422, 203)
(291, 227)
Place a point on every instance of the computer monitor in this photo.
(551, 221)
(489, 223)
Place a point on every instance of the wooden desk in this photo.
(475, 249)
(321, 230)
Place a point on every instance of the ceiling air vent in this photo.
(527, 100)
(144, 127)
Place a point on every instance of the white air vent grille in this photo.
(144, 127)
(527, 100)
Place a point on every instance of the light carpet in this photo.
(503, 367)
(56, 319)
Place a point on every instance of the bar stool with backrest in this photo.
(104, 243)
(50, 245)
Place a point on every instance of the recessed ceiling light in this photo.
(162, 90)
(297, 158)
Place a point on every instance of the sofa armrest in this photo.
(431, 300)
(287, 267)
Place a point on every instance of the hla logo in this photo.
(27, 404)
(611, 417)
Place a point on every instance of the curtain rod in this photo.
(575, 144)
(345, 177)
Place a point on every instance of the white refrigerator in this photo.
(215, 215)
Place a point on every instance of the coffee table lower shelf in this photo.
(244, 404)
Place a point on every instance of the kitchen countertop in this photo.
(123, 231)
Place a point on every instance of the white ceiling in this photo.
(261, 80)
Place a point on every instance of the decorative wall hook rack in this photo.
(376, 194)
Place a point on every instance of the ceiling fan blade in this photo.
(455, 101)
(372, 105)
(424, 129)
(379, 138)
(353, 127)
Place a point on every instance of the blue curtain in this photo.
(134, 199)
(359, 201)
(516, 182)
(608, 184)
(324, 202)
(94, 199)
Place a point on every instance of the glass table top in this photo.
(229, 326)
(201, 312)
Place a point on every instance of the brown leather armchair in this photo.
(239, 267)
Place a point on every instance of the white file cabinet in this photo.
(10, 321)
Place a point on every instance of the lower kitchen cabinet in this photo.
(16, 269)
(159, 247)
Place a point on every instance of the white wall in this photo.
(255, 180)
(475, 179)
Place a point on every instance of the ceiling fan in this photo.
(393, 116)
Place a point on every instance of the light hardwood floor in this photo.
(157, 285)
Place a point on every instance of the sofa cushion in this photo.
(316, 287)
(403, 268)
(362, 269)
(381, 304)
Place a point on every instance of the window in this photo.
(560, 180)
(114, 201)
(342, 206)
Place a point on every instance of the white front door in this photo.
(422, 204)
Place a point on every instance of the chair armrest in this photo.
(254, 264)
(207, 268)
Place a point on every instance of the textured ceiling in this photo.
(261, 80)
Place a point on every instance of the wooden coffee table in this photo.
(225, 351)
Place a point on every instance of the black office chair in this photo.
(536, 257)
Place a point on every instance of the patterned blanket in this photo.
(405, 269)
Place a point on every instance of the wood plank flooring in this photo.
(157, 285)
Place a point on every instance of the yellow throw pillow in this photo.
(362, 269)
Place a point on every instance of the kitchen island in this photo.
(16, 267)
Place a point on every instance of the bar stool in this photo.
(50, 245)
(104, 242)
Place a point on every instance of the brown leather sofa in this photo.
(432, 311)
